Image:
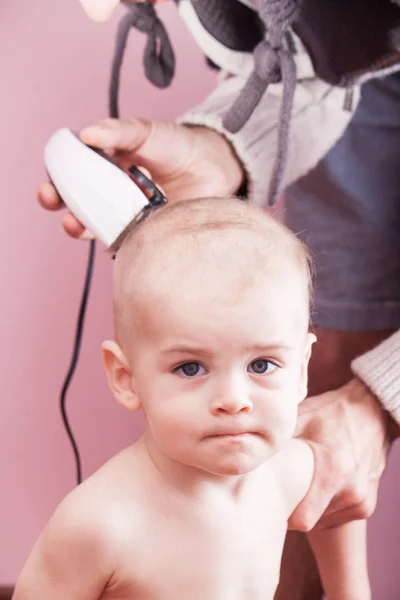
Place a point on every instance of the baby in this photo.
(211, 307)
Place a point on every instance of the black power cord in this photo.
(75, 356)
(159, 63)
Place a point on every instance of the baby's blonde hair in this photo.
(206, 225)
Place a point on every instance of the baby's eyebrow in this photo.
(266, 348)
(185, 349)
(281, 346)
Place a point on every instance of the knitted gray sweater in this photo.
(347, 40)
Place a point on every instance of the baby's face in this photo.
(220, 376)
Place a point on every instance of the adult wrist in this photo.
(379, 370)
(357, 392)
(228, 159)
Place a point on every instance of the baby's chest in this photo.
(191, 561)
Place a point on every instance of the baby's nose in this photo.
(232, 401)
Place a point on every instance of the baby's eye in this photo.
(261, 366)
(190, 369)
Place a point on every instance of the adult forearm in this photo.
(379, 369)
(318, 120)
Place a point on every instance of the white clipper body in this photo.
(98, 193)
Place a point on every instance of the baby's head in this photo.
(211, 307)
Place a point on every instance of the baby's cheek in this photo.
(280, 420)
(170, 425)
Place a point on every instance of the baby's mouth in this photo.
(233, 434)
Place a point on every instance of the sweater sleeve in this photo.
(379, 369)
(318, 120)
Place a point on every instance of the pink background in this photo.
(54, 72)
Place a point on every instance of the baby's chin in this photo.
(236, 467)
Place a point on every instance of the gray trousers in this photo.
(347, 211)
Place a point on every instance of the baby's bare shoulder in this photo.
(106, 503)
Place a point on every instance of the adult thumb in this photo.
(117, 135)
(322, 489)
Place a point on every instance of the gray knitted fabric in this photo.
(234, 24)
(345, 42)
(272, 63)
(158, 58)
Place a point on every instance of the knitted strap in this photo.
(272, 62)
(158, 59)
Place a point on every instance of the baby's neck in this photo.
(192, 482)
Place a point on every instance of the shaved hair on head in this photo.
(202, 244)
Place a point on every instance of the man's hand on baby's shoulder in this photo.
(349, 435)
(185, 161)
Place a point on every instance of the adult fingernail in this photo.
(96, 135)
(99, 10)
(47, 196)
(86, 235)
(88, 133)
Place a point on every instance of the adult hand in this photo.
(349, 434)
(187, 162)
(101, 10)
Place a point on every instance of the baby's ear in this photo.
(310, 340)
(119, 376)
